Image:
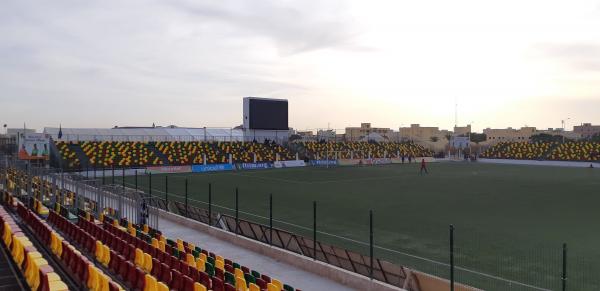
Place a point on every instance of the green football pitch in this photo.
(510, 220)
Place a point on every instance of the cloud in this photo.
(303, 27)
(583, 57)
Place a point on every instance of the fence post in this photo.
(271, 219)
(209, 204)
(371, 243)
(451, 257)
(314, 230)
(136, 181)
(167, 193)
(237, 211)
(186, 197)
(564, 267)
(150, 184)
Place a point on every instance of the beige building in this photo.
(509, 134)
(357, 133)
(559, 131)
(417, 132)
(462, 130)
(586, 130)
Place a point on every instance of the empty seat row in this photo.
(38, 274)
(183, 256)
(84, 270)
(119, 261)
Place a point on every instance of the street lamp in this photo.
(564, 121)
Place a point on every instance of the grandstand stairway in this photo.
(152, 147)
(296, 147)
(10, 278)
(83, 158)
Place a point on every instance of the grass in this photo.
(510, 221)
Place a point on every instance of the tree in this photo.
(477, 137)
(434, 139)
(595, 137)
(544, 137)
(294, 137)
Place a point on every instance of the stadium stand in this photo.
(568, 151)
(68, 155)
(359, 150)
(35, 268)
(518, 150)
(139, 256)
(130, 154)
(122, 154)
(577, 151)
(183, 153)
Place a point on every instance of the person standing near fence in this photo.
(423, 167)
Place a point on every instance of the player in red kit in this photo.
(423, 167)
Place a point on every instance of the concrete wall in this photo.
(342, 276)
(541, 163)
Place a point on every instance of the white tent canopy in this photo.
(374, 136)
(146, 134)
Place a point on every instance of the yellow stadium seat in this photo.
(220, 265)
(150, 284)
(272, 287)
(147, 263)
(105, 255)
(200, 265)
(238, 273)
(277, 283)
(139, 258)
(162, 287)
(240, 284)
(253, 287)
(199, 287)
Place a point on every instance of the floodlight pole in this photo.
(271, 219)
(209, 204)
(167, 193)
(564, 268)
(186, 197)
(371, 243)
(314, 230)
(451, 257)
(237, 210)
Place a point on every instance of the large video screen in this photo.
(268, 114)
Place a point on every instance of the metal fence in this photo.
(457, 255)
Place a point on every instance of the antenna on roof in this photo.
(455, 112)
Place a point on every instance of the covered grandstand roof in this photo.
(146, 134)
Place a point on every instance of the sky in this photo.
(102, 63)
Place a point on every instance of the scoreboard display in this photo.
(265, 113)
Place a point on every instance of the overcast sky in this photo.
(391, 63)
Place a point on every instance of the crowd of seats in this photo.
(568, 151)
(68, 155)
(129, 154)
(36, 270)
(518, 150)
(361, 150)
(183, 153)
(577, 151)
(181, 265)
(140, 257)
(119, 154)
